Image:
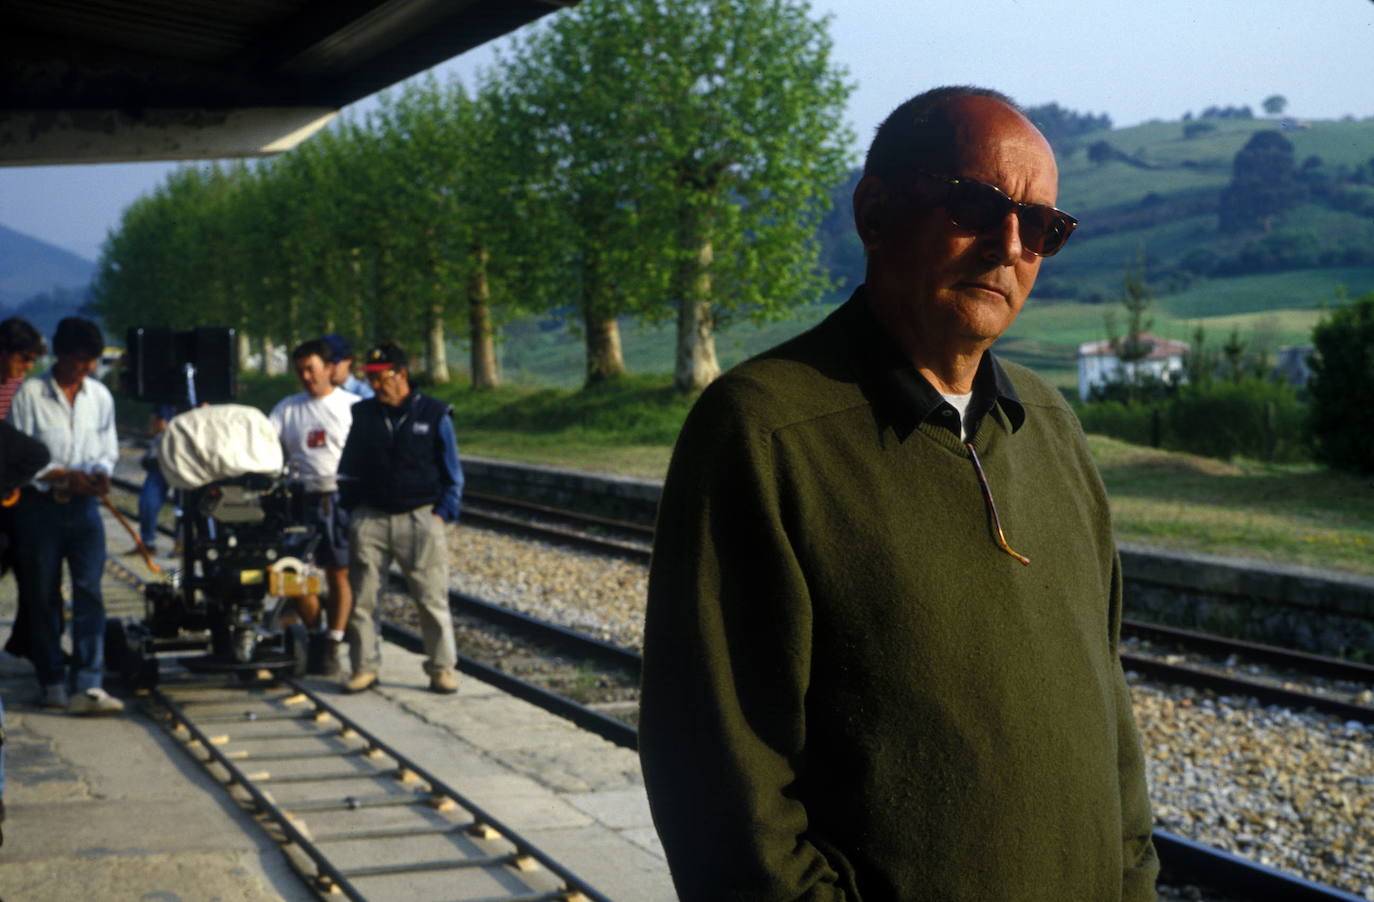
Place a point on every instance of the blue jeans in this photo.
(150, 501)
(48, 534)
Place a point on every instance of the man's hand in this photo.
(88, 483)
(55, 476)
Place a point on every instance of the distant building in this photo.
(1099, 365)
(1292, 365)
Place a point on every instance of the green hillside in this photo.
(1157, 196)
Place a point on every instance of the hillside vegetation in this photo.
(1155, 196)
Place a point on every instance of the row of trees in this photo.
(654, 159)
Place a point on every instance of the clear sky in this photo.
(1138, 60)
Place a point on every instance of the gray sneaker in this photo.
(94, 701)
(54, 696)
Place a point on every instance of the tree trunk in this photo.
(604, 360)
(434, 341)
(358, 303)
(696, 365)
(269, 357)
(242, 349)
(480, 332)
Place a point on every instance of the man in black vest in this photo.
(400, 481)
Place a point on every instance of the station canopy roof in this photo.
(100, 81)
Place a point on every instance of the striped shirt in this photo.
(7, 390)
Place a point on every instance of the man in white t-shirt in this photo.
(313, 425)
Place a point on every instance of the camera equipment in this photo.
(243, 543)
(184, 368)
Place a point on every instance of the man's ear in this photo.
(872, 211)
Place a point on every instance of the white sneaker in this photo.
(54, 696)
(94, 701)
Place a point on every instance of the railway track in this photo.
(569, 531)
(356, 816)
(575, 529)
(359, 817)
(1185, 859)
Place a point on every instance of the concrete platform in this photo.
(112, 808)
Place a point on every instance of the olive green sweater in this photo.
(849, 692)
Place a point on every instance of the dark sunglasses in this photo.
(978, 207)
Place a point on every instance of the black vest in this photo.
(398, 467)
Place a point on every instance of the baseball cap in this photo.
(384, 357)
(338, 346)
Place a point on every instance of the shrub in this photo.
(1342, 386)
(1134, 423)
(1250, 418)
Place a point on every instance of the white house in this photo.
(1099, 365)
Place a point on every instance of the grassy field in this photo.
(1297, 514)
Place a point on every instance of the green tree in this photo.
(1060, 125)
(1342, 386)
(1275, 104)
(562, 99)
(1135, 346)
(1233, 352)
(1264, 183)
(1102, 152)
(418, 132)
(718, 181)
(1200, 362)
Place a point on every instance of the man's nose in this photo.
(1002, 243)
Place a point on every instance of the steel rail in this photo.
(523, 847)
(1228, 684)
(546, 533)
(1184, 858)
(552, 633)
(263, 802)
(1188, 859)
(1274, 655)
(1304, 662)
(1231, 873)
(329, 875)
(575, 518)
(630, 660)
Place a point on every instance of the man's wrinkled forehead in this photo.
(983, 122)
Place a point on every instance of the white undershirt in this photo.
(960, 403)
(312, 433)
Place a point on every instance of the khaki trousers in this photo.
(415, 540)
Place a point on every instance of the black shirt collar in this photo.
(908, 399)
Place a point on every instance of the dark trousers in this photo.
(49, 533)
(150, 500)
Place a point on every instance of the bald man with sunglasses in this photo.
(880, 655)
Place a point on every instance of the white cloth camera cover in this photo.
(221, 441)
